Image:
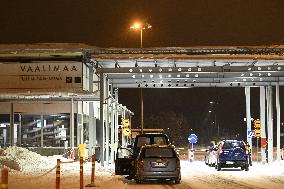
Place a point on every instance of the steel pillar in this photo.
(112, 126)
(78, 137)
(102, 141)
(41, 130)
(19, 138)
(123, 138)
(72, 143)
(112, 140)
(262, 123)
(278, 123)
(92, 130)
(269, 124)
(248, 115)
(116, 122)
(107, 130)
(12, 121)
(80, 127)
(92, 122)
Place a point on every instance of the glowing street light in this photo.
(141, 27)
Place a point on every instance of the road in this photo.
(195, 175)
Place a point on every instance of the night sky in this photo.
(106, 23)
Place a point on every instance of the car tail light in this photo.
(177, 164)
(221, 149)
(247, 150)
(140, 164)
(139, 167)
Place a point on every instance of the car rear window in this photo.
(143, 141)
(159, 152)
(228, 145)
(160, 140)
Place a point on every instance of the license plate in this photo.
(159, 164)
(229, 162)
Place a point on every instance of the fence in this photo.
(4, 184)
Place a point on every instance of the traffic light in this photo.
(257, 126)
(126, 124)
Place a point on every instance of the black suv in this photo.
(126, 157)
(157, 162)
(232, 153)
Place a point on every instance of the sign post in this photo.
(126, 130)
(192, 139)
(257, 134)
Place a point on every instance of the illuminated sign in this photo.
(63, 76)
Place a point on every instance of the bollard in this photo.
(191, 155)
(4, 179)
(93, 172)
(57, 184)
(72, 155)
(81, 150)
(81, 172)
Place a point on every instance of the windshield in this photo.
(228, 145)
(146, 140)
(159, 152)
(160, 140)
(143, 141)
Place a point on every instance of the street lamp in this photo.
(141, 27)
(215, 117)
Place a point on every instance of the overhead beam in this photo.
(226, 68)
(191, 85)
(186, 56)
(41, 56)
(196, 80)
(194, 51)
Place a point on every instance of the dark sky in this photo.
(105, 23)
(194, 104)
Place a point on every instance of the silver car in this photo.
(210, 157)
(157, 162)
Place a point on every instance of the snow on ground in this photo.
(33, 174)
(259, 176)
(21, 159)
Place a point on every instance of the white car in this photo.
(210, 157)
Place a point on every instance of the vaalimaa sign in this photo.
(63, 76)
(48, 68)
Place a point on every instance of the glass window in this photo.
(123, 153)
(159, 152)
(143, 141)
(228, 145)
(160, 140)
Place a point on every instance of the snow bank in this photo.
(21, 159)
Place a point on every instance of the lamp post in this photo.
(215, 117)
(141, 27)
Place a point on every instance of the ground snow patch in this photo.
(22, 159)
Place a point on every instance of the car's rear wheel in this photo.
(218, 166)
(246, 167)
(205, 160)
(177, 180)
(138, 181)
